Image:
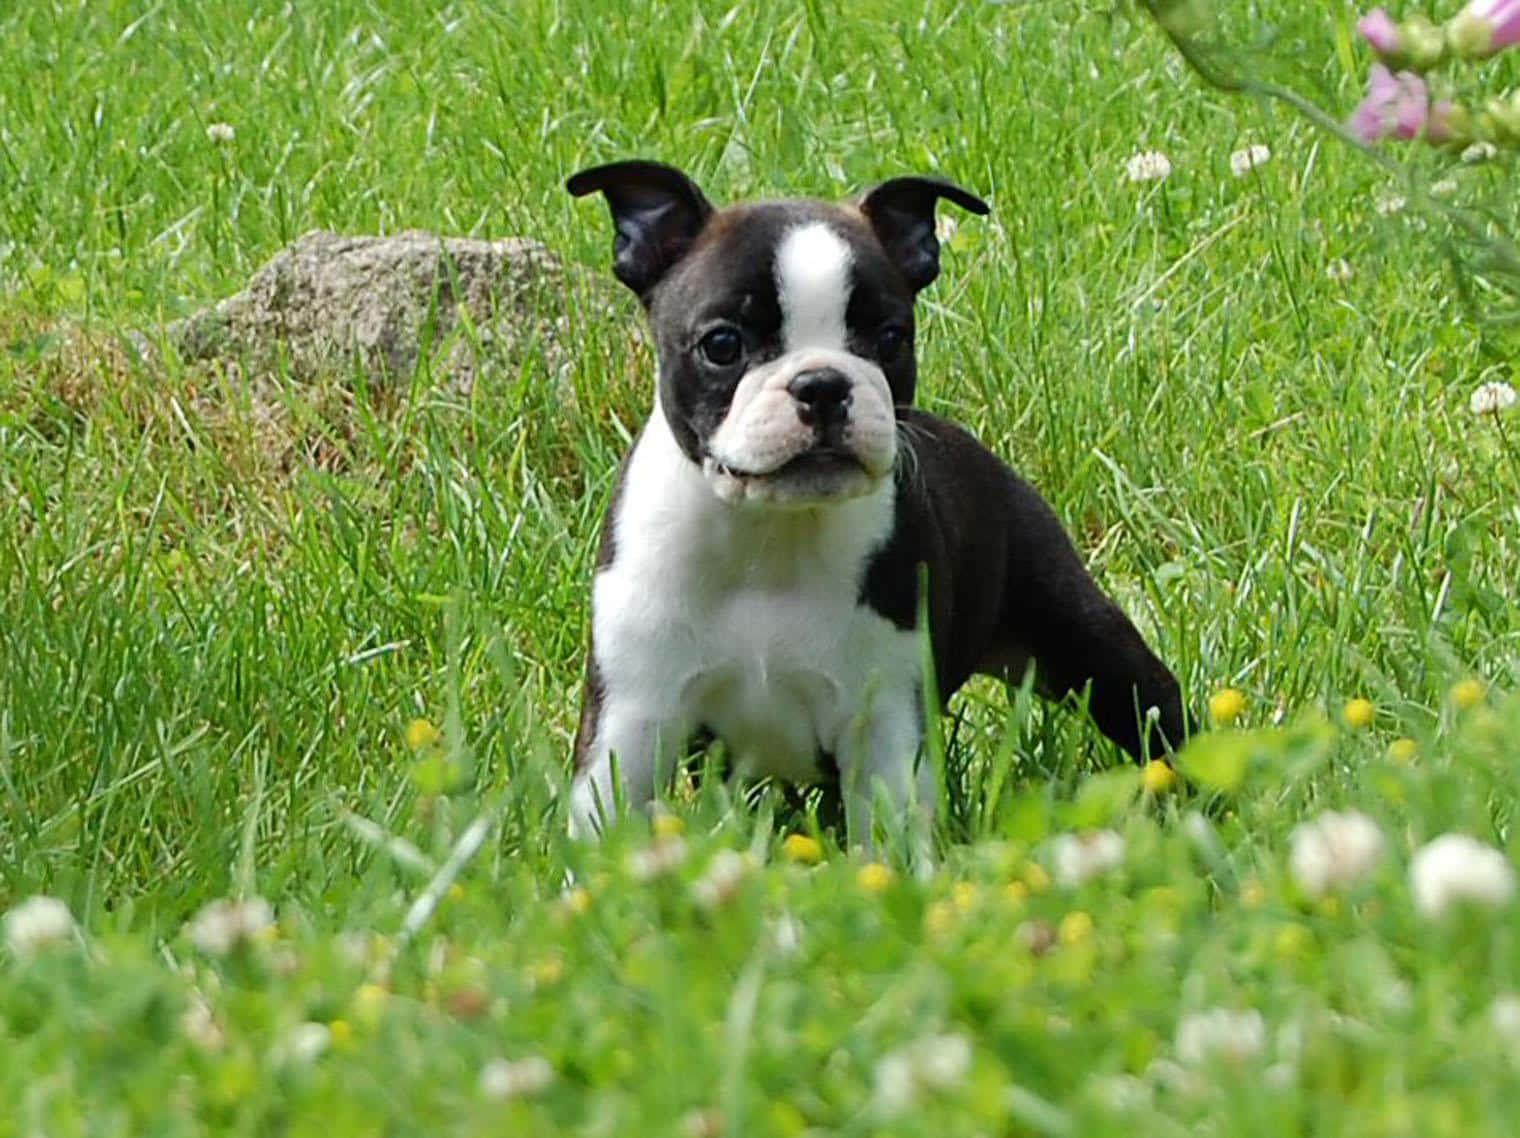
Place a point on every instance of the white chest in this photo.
(745, 623)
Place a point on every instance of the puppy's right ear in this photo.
(657, 210)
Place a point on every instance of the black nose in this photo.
(823, 396)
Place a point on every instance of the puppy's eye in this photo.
(890, 341)
(722, 347)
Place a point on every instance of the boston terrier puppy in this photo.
(760, 566)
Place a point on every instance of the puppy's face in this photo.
(784, 329)
(785, 339)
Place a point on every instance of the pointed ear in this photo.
(657, 211)
(901, 212)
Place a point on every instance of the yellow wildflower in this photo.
(575, 901)
(1359, 713)
(1035, 877)
(874, 878)
(1467, 694)
(1403, 750)
(668, 826)
(1076, 927)
(549, 970)
(1158, 777)
(939, 918)
(369, 1003)
(1164, 897)
(1292, 941)
(1226, 706)
(420, 733)
(802, 848)
(341, 1033)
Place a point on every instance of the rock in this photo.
(388, 304)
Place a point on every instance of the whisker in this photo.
(908, 461)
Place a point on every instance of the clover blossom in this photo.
(1381, 32)
(1335, 850)
(1455, 869)
(1399, 106)
(1415, 44)
(36, 924)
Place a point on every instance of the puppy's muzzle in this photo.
(811, 427)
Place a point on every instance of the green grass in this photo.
(211, 646)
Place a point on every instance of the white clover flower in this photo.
(1339, 269)
(38, 923)
(1491, 398)
(1480, 152)
(942, 1061)
(1395, 995)
(302, 1045)
(1174, 1076)
(1455, 869)
(353, 947)
(661, 856)
(1335, 850)
(702, 1124)
(725, 873)
(786, 935)
(1393, 204)
(1504, 1018)
(1281, 1076)
(1079, 858)
(894, 1090)
(1200, 833)
(1444, 188)
(223, 925)
(945, 228)
(503, 1078)
(1243, 161)
(221, 132)
(1220, 1033)
(936, 1063)
(1122, 1093)
(198, 1024)
(1148, 166)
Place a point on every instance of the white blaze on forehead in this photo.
(813, 287)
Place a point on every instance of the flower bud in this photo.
(1181, 19)
(1483, 28)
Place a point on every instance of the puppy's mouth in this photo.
(818, 475)
(822, 461)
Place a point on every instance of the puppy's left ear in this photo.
(657, 211)
(901, 212)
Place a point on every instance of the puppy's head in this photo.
(784, 329)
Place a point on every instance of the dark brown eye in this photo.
(890, 341)
(722, 347)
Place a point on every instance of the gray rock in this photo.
(389, 304)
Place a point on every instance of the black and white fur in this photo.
(759, 572)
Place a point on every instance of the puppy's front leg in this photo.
(644, 745)
(887, 782)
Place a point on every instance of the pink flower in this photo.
(1486, 26)
(1379, 30)
(1398, 106)
(1416, 44)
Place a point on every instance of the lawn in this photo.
(324, 660)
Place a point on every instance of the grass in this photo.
(212, 645)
